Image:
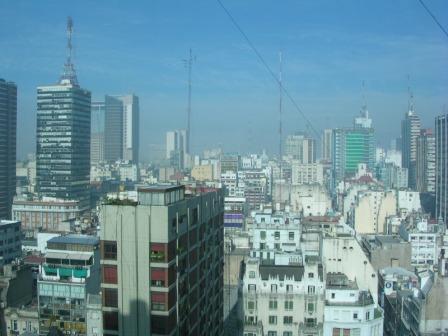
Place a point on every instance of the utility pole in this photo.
(189, 65)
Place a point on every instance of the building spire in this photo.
(69, 75)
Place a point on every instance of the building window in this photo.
(310, 275)
(251, 274)
(158, 276)
(355, 316)
(109, 250)
(110, 321)
(333, 295)
(252, 288)
(262, 234)
(311, 290)
(110, 297)
(272, 319)
(273, 288)
(250, 305)
(272, 333)
(110, 274)
(277, 246)
(289, 288)
(14, 325)
(158, 301)
(277, 234)
(273, 304)
(367, 316)
(158, 252)
(287, 319)
(291, 235)
(287, 333)
(289, 305)
(310, 307)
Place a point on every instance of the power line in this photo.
(433, 17)
(268, 68)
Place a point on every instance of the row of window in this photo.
(286, 319)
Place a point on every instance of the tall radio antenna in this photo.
(69, 74)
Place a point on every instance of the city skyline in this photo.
(326, 59)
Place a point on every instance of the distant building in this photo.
(176, 148)
(47, 214)
(301, 147)
(393, 176)
(350, 148)
(131, 127)
(307, 173)
(175, 285)
(8, 129)
(410, 130)
(21, 321)
(425, 167)
(11, 241)
(387, 251)
(327, 145)
(97, 141)
(70, 272)
(441, 136)
(230, 162)
(203, 173)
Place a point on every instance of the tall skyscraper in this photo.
(8, 129)
(176, 147)
(97, 141)
(327, 147)
(113, 131)
(131, 123)
(410, 130)
(441, 127)
(162, 263)
(426, 162)
(63, 138)
(301, 147)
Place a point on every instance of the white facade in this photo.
(409, 200)
(311, 200)
(349, 311)
(307, 173)
(131, 124)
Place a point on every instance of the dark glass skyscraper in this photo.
(63, 142)
(441, 127)
(8, 126)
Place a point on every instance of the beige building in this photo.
(307, 173)
(203, 173)
(371, 211)
(21, 320)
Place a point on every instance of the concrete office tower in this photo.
(131, 123)
(327, 145)
(301, 147)
(113, 131)
(63, 137)
(162, 263)
(70, 272)
(97, 141)
(8, 128)
(441, 127)
(350, 148)
(176, 148)
(410, 130)
(425, 168)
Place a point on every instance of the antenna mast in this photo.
(69, 74)
(280, 128)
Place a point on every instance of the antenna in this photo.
(411, 97)
(69, 74)
(189, 65)
(280, 128)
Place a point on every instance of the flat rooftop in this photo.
(340, 281)
(8, 222)
(77, 239)
(160, 188)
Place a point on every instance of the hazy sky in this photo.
(329, 48)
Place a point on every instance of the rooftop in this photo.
(340, 281)
(160, 188)
(7, 222)
(78, 239)
(281, 271)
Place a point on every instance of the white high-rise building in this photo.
(327, 145)
(131, 122)
(176, 148)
